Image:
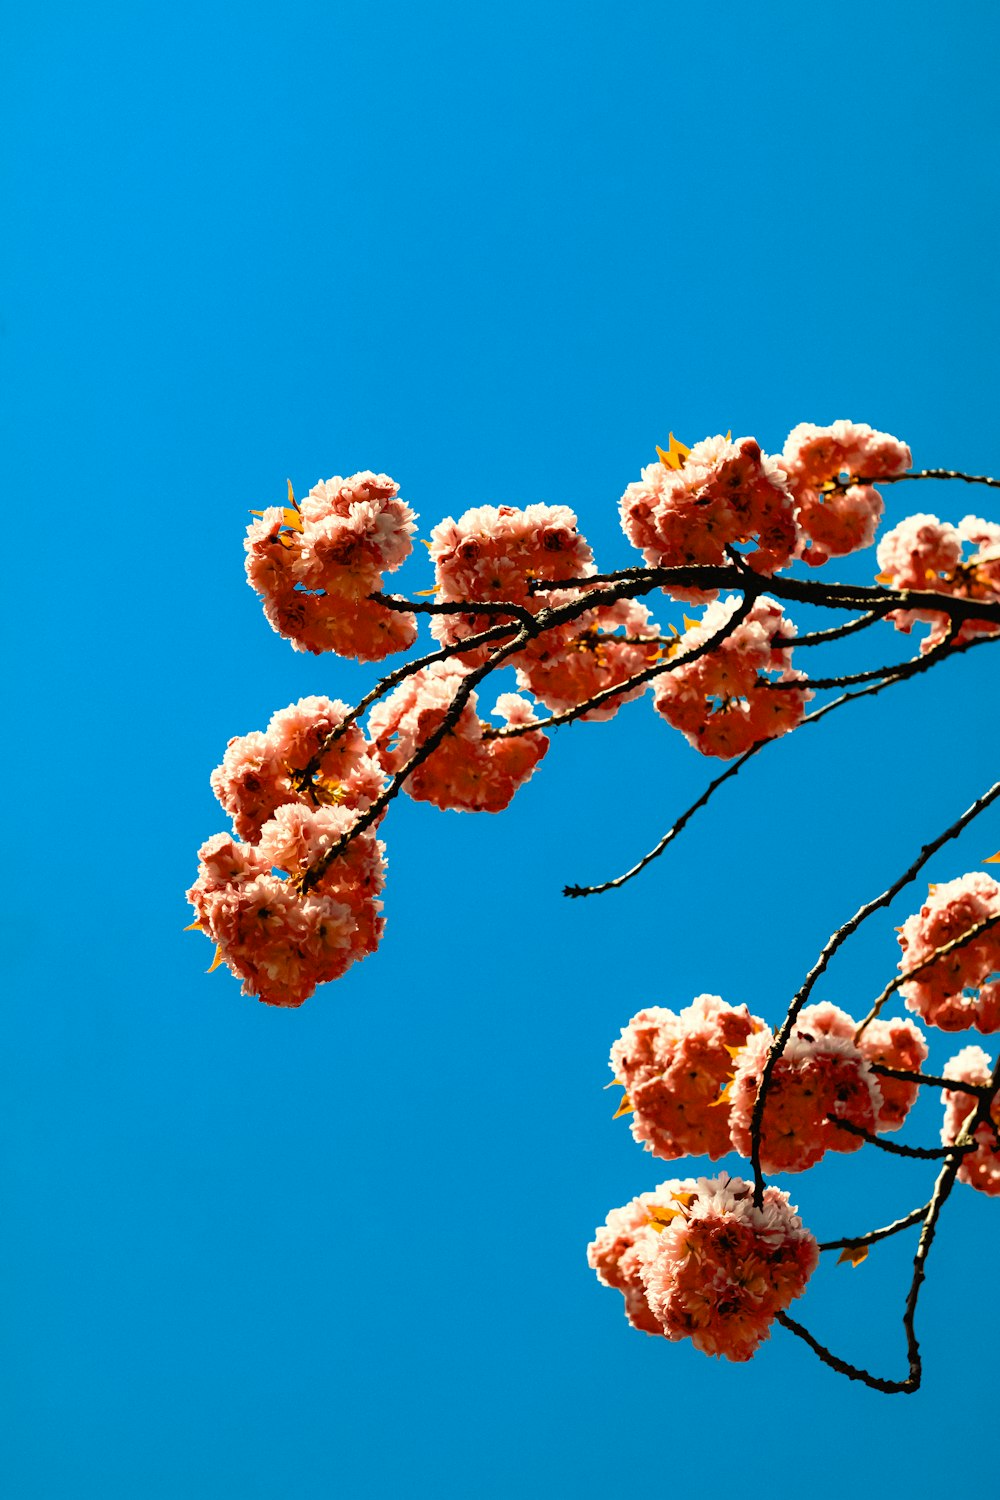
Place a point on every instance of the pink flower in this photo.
(493, 553)
(720, 493)
(280, 943)
(893, 1044)
(720, 1270)
(570, 664)
(675, 1069)
(820, 1077)
(613, 1254)
(980, 1168)
(315, 566)
(724, 702)
(467, 770)
(257, 774)
(955, 991)
(834, 522)
(925, 554)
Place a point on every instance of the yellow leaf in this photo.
(724, 1097)
(194, 927)
(216, 961)
(426, 593)
(994, 859)
(675, 631)
(619, 1081)
(685, 1199)
(659, 1218)
(425, 544)
(931, 889)
(293, 519)
(729, 435)
(883, 577)
(675, 455)
(291, 495)
(624, 1108)
(853, 1253)
(690, 624)
(734, 1051)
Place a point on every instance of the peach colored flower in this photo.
(724, 702)
(675, 1069)
(980, 1168)
(721, 493)
(720, 1270)
(467, 770)
(955, 991)
(819, 1075)
(926, 554)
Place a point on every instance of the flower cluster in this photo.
(821, 1077)
(675, 1069)
(315, 566)
(281, 943)
(923, 553)
(834, 520)
(572, 663)
(695, 502)
(954, 991)
(248, 898)
(980, 1168)
(724, 701)
(260, 772)
(494, 554)
(706, 1265)
(469, 770)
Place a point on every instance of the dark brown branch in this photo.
(671, 833)
(896, 1148)
(638, 679)
(919, 664)
(845, 484)
(832, 945)
(856, 1241)
(927, 1080)
(835, 633)
(932, 958)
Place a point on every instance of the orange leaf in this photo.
(659, 1218)
(193, 927)
(426, 593)
(216, 961)
(624, 1108)
(675, 455)
(853, 1253)
(724, 1097)
(994, 859)
(883, 577)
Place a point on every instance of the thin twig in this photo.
(927, 1080)
(852, 1242)
(896, 1148)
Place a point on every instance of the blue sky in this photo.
(497, 252)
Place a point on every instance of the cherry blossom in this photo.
(980, 1168)
(955, 991)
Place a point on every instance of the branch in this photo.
(830, 948)
(895, 1148)
(873, 1235)
(845, 484)
(918, 664)
(927, 1080)
(835, 633)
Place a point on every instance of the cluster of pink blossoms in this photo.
(834, 521)
(692, 1080)
(724, 702)
(980, 1168)
(956, 990)
(259, 770)
(281, 943)
(315, 565)
(675, 1068)
(695, 1259)
(923, 553)
(468, 770)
